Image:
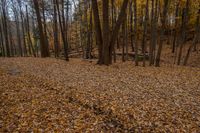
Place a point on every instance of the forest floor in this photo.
(41, 95)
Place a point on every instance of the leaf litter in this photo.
(49, 95)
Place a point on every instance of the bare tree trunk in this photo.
(155, 33)
(119, 22)
(87, 31)
(44, 24)
(135, 32)
(56, 40)
(145, 32)
(163, 20)
(20, 51)
(43, 45)
(108, 47)
(91, 35)
(62, 27)
(182, 38)
(124, 41)
(98, 29)
(176, 26)
(19, 37)
(152, 33)
(106, 32)
(22, 26)
(126, 37)
(195, 41)
(131, 25)
(32, 50)
(11, 40)
(2, 41)
(5, 29)
(113, 23)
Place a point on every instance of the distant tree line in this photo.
(102, 29)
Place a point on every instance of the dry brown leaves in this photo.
(42, 95)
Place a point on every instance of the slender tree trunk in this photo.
(182, 38)
(43, 45)
(44, 25)
(91, 35)
(124, 41)
(155, 33)
(126, 37)
(196, 38)
(2, 41)
(131, 25)
(98, 29)
(113, 23)
(17, 25)
(23, 31)
(62, 27)
(119, 22)
(106, 32)
(32, 50)
(108, 47)
(152, 33)
(145, 33)
(11, 40)
(56, 40)
(86, 28)
(176, 26)
(135, 32)
(18, 36)
(185, 19)
(5, 29)
(163, 20)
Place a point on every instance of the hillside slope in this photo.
(52, 95)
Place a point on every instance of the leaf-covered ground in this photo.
(41, 95)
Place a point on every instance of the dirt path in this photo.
(52, 95)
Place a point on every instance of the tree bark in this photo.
(98, 30)
(5, 29)
(106, 32)
(56, 40)
(145, 33)
(135, 32)
(43, 45)
(62, 27)
(163, 20)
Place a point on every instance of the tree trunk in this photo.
(11, 42)
(163, 20)
(2, 41)
(176, 26)
(106, 32)
(121, 19)
(20, 51)
(62, 27)
(5, 29)
(145, 33)
(56, 40)
(182, 38)
(43, 45)
(44, 25)
(32, 50)
(98, 29)
(155, 33)
(135, 32)
(196, 38)
(152, 33)
(131, 25)
(124, 41)
(22, 26)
